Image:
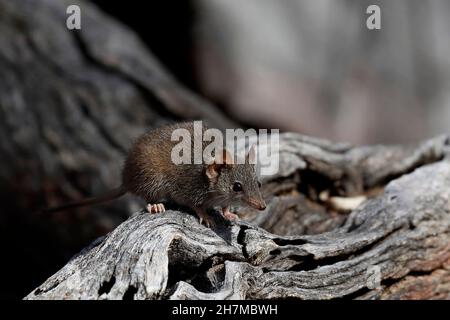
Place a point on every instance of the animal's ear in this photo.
(251, 155)
(212, 171)
(224, 158)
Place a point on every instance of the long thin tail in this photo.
(111, 195)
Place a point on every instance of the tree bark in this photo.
(394, 245)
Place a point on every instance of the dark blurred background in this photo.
(299, 65)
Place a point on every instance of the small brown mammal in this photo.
(150, 173)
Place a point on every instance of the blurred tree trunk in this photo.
(326, 73)
(71, 103)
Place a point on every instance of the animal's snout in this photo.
(257, 204)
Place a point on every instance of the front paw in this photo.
(227, 214)
(205, 218)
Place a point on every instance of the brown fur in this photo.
(150, 174)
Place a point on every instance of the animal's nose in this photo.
(257, 204)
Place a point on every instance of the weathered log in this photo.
(394, 245)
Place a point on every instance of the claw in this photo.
(204, 218)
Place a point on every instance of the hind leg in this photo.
(155, 208)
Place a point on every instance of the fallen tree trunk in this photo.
(395, 245)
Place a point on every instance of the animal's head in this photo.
(235, 184)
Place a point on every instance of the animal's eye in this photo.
(237, 187)
(259, 184)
